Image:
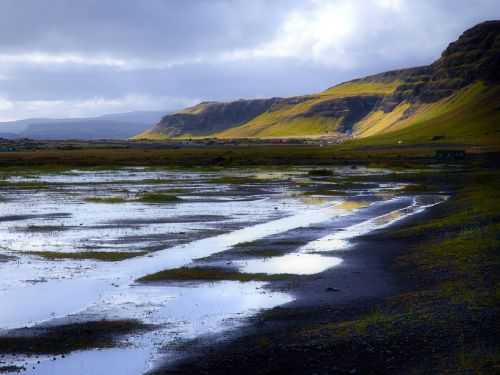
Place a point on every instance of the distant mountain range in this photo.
(112, 126)
(455, 99)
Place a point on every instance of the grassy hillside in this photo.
(472, 115)
(274, 125)
(150, 135)
(362, 87)
(314, 116)
(153, 135)
(379, 121)
(284, 120)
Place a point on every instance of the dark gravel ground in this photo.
(372, 315)
(271, 342)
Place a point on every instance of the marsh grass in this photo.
(42, 161)
(210, 274)
(236, 180)
(24, 185)
(325, 191)
(320, 173)
(165, 196)
(173, 191)
(105, 256)
(68, 338)
(262, 253)
(106, 200)
(418, 188)
(158, 198)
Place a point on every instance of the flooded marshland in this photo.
(184, 254)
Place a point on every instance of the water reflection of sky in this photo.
(183, 310)
(295, 263)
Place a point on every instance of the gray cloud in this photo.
(99, 56)
(131, 28)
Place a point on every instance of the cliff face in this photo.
(475, 56)
(368, 106)
(211, 117)
(348, 110)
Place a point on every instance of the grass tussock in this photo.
(325, 191)
(262, 253)
(25, 185)
(167, 196)
(236, 180)
(320, 173)
(68, 338)
(105, 256)
(153, 181)
(210, 274)
(106, 200)
(418, 188)
(158, 198)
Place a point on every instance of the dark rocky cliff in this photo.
(349, 110)
(474, 56)
(211, 117)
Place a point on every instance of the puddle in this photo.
(183, 312)
(297, 263)
(340, 239)
(351, 205)
(92, 280)
(123, 361)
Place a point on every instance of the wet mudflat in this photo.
(185, 253)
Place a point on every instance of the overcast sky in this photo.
(68, 58)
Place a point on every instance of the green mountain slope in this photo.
(472, 115)
(455, 99)
(332, 112)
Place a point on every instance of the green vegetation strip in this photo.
(68, 338)
(262, 253)
(320, 173)
(158, 198)
(323, 191)
(388, 155)
(108, 200)
(106, 256)
(23, 185)
(210, 274)
(237, 180)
